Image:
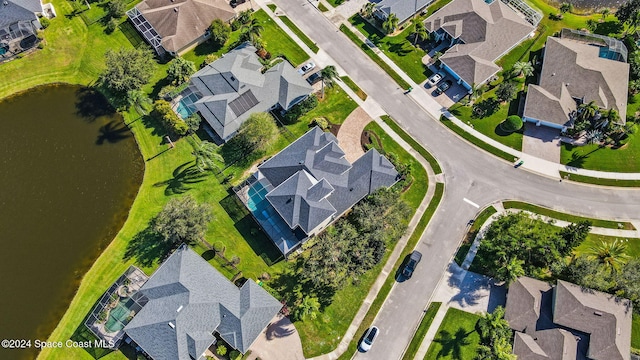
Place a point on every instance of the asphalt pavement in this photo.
(473, 179)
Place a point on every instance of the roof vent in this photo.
(180, 308)
(300, 162)
(553, 74)
(598, 313)
(5, 3)
(350, 189)
(175, 9)
(172, 325)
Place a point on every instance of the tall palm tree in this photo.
(391, 24)
(605, 12)
(510, 270)
(586, 111)
(523, 68)
(493, 326)
(139, 101)
(367, 9)
(611, 254)
(419, 31)
(206, 155)
(328, 75)
(252, 30)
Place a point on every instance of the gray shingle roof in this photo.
(181, 22)
(485, 33)
(567, 322)
(404, 9)
(19, 10)
(236, 75)
(314, 181)
(572, 69)
(188, 301)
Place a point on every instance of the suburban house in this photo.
(567, 321)
(404, 9)
(578, 68)
(189, 301)
(306, 186)
(176, 26)
(476, 34)
(18, 25)
(233, 87)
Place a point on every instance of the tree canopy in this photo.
(127, 69)
(257, 132)
(220, 32)
(179, 70)
(182, 220)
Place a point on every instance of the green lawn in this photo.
(322, 8)
(420, 333)
(324, 334)
(457, 337)
(480, 219)
(633, 244)
(305, 39)
(610, 224)
(414, 144)
(635, 332)
(398, 48)
(361, 94)
(367, 50)
(278, 42)
(599, 181)
(625, 159)
(475, 141)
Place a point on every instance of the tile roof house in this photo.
(309, 184)
(567, 322)
(189, 301)
(573, 72)
(404, 9)
(175, 26)
(232, 87)
(478, 34)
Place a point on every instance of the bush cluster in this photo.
(170, 120)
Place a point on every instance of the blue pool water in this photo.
(257, 194)
(183, 110)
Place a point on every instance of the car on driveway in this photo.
(314, 78)
(414, 259)
(306, 67)
(444, 86)
(435, 78)
(368, 338)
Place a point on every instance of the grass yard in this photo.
(599, 181)
(398, 48)
(420, 333)
(475, 141)
(367, 50)
(322, 8)
(305, 39)
(633, 244)
(610, 224)
(361, 94)
(457, 337)
(635, 332)
(324, 334)
(278, 42)
(594, 157)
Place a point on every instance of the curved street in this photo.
(473, 179)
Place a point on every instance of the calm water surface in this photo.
(69, 171)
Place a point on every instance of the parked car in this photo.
(414, 259)
(306, 67)
(314, 78)
(444, 86)
(235, 3)
(368, 339)
(435, 78)
(518, 163)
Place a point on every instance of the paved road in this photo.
(470, 174)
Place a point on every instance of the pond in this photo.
(69, 172)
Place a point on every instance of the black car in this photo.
(414, 259)
(314, 78)
(235, 3)
(444, 86)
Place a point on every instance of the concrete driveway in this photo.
(280, 341)
(350, 132)
(542, 142)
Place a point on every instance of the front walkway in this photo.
(350, 133)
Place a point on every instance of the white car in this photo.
(434, 79)
(306, 68)
(368, 338)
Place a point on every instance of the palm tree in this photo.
(328, 75)
(510, 271)
(611, 254)
(475, 92)
(206, 155)
(419, 31)
(391, 24)
(139, 101)
(252, 30)
(522, 68)
(565, 7)
(367, 9)
(605, 12)
(503, 349)
(586, 111)
(493, 326)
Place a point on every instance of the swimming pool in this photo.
(257, 193)
(183, 110)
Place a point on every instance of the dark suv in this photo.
(314, 78)
(414, 259)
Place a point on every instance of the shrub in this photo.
(511, 123)
(165, 91)
(301, 108)
(219, 32)
(180, 70)
(235, 355)
(117, 8)
(507, 91)
(321, 122)
(44, 22)
(485, 107)
(236, 25)
(41, 45)
(208, 60)
(111, 26)
(170, 120)
(221, 350)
